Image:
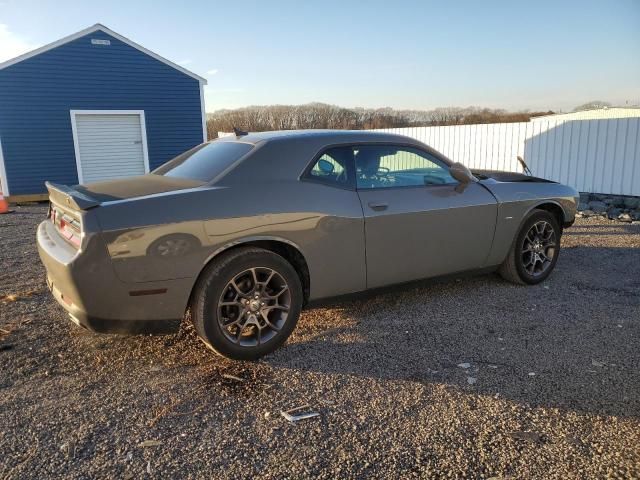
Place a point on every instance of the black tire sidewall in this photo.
(534, 217)
(206, 314)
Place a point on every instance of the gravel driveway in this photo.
(466, 378)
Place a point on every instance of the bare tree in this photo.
(592, 105)
(321, 115)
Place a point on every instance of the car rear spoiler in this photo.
(64, 195)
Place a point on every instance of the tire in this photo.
(517, 266)
(231, 319)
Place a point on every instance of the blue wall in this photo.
(37, 94)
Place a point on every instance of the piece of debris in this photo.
(150, 443)
(471, 380)
(6, 347)
(228, 376)
(69, 449)
(527, 436)
(596, 363)
(625, 217)
(292, 416)
(12, 297)
(532, 374)
(149, 471)
(464, 365)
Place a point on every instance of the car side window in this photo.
(333, 167)
(385, 166)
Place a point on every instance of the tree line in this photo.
(321, 115)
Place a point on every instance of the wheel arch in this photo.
(280, 246)
(551, 206)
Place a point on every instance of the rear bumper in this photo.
(84, 283)
(106, 325)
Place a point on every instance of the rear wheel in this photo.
(247, 303)
(534, 252)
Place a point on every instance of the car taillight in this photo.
(67, 225)
(70, 233)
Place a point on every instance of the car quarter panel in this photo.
(84, 283)
(516, 200)
(174, 235)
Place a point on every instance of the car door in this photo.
(419, 221)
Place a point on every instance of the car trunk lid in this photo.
(68, 204)
(132, 187)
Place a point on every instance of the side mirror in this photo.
(462, 173)
(325, 167)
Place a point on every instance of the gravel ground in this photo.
(551, 389)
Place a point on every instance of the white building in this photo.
(595, 114)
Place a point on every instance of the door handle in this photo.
(378, 206)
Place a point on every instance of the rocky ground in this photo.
(624, 209)
(468, 378)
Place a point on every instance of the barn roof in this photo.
(101, 28)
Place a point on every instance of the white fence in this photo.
(596, 156)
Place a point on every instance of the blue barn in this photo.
(93, 106)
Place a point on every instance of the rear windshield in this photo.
(204, 162)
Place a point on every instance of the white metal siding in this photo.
(110, 146)
(597, 156)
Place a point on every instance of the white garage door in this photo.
(109, 145)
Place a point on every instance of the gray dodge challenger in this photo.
(245, 230)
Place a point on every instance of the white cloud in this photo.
(213, 71)
(185, 62)
(12, 45)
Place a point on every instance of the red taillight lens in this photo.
(69, 233)
(67, 225)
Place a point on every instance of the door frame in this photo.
(4, 183)
(76, 143)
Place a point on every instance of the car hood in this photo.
(138, 186)
(500, 176)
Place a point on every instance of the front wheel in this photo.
(246, 303)
(534, 252)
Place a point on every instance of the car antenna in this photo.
(239, 133)
(525, 167)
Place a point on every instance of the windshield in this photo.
(204, 162)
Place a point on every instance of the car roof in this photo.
(328, 136)
(292, 150)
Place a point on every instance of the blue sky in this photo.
(403, 54)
